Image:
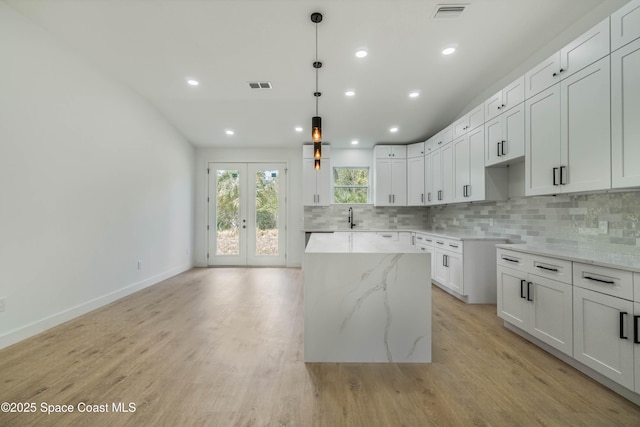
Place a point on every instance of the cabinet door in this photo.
(477, 189)
(585, 50)
(441, 271)
(399, 182)
(603, 334)
(436, 175)
(586, 129)
(399, 151)
(447, 174)
(415, 150)
(323, 183)
(456, 278)
(446, 134)
(512, 134)
(382, 151)
(475, 118)
(542, 139)
(382, 182)
(493, 141)
(636, 344)
(542, 76)
(493, 106)
(459, 127)
(309, 190)
(512, 296)
(415, 181)
(551, 312)
(513, 95)
(461, 168)
(625, 111)
(625, 24)
(428, 179)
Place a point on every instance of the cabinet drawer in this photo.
(552, 268)
(391, 235)
(512, 259)
(448, 244)
(610, 281)
(423, 240)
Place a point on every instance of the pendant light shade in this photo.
(316, 129)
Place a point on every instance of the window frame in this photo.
(334, 186)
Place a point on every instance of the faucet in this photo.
(350, 219)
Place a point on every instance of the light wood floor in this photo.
(223, 347)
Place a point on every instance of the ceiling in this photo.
(154, 46)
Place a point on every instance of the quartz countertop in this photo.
(438, 233)
(345, 242)
(585, 255)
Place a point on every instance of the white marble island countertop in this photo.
(341, 242)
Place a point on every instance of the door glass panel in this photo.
(227, 212)
(267, 212)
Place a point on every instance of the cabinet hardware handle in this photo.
(622, 314)
(413, 240)
(440, 243)
(498, 145)
(439, 194)
(522, 282)
(393, 197)
(502, 148)
(445, 258)
(635, 329)
(547, 268)
(428, 196)
(511, 260)
(389, 198)
(422, 198)
(562, 181)
(439, 142)
(554, 176)
(609, 282)
(453, 246)
(503, 105)
(499, 107)
(562, 70)
(529, 291)
(555, 74)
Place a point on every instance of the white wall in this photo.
(92, 179)
(295, 213)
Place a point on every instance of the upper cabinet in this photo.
(625, 25)
(390, 151)
(469, 121)
(509, 97)
(625, 114)
(415, 150)
(585, 50)
(316, 184)
(504, 137)
(567, 134)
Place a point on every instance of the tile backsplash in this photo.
(564, 219)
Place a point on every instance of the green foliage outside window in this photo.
(350, 185)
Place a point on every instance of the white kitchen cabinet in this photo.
(538, 305)
(316, 184)
(428, 180)
(509, 97)
(585, 50)
(445, 192)
(390, 151)
(390, 182)
(425, 243)
(448, 268)
(625, 111)
(636, 343)
(415, 150)
(415, 181)
(567, 134)
(625, 25)
(469, 121)
(504, 137)
(603, 334)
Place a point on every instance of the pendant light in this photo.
(316, 121)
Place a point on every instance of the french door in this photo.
(246, 214)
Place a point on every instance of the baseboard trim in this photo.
(39, 326)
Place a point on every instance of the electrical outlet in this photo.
(603, 227)
(3, 303)
(139, 265)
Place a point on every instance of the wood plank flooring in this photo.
(223, 347)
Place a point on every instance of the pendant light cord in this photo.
(316, 68)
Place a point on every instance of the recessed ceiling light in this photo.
(414, 94)
(349, 93)
(192, 82)
(229, 132)
(393, 129)
(354, 142)
(361, 53)
(448, 51)
(298, 129)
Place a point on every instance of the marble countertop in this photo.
(341, 242)
(585, 255)
(438, 233)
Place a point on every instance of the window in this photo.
(350, 185)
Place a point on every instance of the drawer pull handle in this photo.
(622, 314)
(522, 295)
(440, 243)
(453, 246)
(511, 260)
(529, 291)
(635, 329)
(609, 282)
(547, 268)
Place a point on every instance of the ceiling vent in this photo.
(449, 11)
(260, 85)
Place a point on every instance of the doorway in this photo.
(246, 214)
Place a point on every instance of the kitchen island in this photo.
(366, 299)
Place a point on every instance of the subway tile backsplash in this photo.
(571, 220)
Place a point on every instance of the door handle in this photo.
(522, 282)
(622, 336)
(529, 291)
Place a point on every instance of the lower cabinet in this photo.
(449, 271)
(537, 305)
